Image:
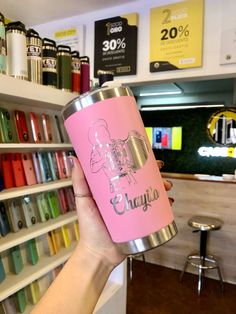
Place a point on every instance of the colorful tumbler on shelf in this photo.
(85, 75)
(120, 168)
(49, 62)
(64, 68)
(34, 56)
(75, 72)
(16, 50)
(2, 44)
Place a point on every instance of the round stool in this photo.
(201, 260)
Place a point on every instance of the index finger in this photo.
(79, 182)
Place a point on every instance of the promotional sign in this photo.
(115, 46)
(228, 33)
(176, 36)
(228, 46)
(72, 37)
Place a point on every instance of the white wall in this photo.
(219, 14)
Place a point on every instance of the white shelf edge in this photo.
(13, 282)
(32, 189)
(30, 147)
(109, 290)
(13, 239)
(24, 92)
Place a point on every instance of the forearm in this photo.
(78, 286)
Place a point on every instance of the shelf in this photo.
(23, 92)
(13, 282)
(32, 189)
(32, 147)
(13, 239)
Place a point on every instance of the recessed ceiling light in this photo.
(161, 93)
(154, 108)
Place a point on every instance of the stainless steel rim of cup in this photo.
(90, 98)
(149, 242)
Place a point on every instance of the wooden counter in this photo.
(201, 196)
(197, 177)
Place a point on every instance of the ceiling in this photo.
(204, 92)
(193, 87)
(34, 12)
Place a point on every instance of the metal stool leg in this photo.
(220, 277)
(183, 271)
(199, 287)
(143, 258)
(130, 258)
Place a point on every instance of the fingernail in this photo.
(170, 182)
(161, 163)
(70, 158)
(171, 199)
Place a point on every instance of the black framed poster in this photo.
(115, 46)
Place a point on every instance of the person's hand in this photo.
(93, 232)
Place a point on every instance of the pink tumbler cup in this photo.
(109, 138)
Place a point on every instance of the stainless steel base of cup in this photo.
(149, 242)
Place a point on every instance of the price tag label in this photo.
(115, 46)
(176, 36)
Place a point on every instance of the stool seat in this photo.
(204, 223)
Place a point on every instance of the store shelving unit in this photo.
(13, 283)
(14, 93)
(13, 239)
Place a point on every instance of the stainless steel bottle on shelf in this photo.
(34, 56)
(75, 72)
(2, 45)
(49, 54)
(16, 50)
(64, 68)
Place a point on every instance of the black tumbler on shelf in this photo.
(64, 68)
(104, 76)
(34, 56)
(49, 53)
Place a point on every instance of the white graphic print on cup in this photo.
(119, 159)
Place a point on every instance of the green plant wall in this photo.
(194, 135)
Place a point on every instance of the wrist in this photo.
(92, 259)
